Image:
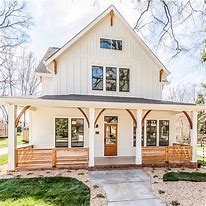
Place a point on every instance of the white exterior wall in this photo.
(74, 66)
(124, 134)
(43, 128)
(43, 125)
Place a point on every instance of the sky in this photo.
(57, 21)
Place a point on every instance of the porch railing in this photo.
(32, 158)
(170, 154)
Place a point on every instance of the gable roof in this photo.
(41, 68)
(92, 24)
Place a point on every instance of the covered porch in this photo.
(133, 145)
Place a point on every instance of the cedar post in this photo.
(166, 154)
(54, 157)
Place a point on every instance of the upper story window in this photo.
(97, 77)
(111, 78)
(123, 80)
(107, 79)
(110, 44)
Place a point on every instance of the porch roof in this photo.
(112, 102)
(100, 98)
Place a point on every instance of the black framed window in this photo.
(164, 132)
(110, 44)
(111, 78)
(105, 43)
(151, 132)
(116, 44)
(124, 80)
(111, 119)
(97, 77)
(77, 132)
(61, 132)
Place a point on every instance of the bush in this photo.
(185, 176)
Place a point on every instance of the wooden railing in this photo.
(32, 158)
(170, 154)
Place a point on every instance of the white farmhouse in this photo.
(101, 105)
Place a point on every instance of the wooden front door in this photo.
(110, 139)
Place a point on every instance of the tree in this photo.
(177, 25)
(201, 117)
(18, 78)
(14, 23)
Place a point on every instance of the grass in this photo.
(44, 191)
(185, 176)
(200, 161)
(3, 159)
(4, 141)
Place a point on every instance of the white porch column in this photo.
(12, 137)
(30, 126)
(194, 136)
(91, 137)
(138, 159)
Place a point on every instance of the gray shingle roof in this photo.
(41, 68)
(96, 98)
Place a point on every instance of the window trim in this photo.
(119, 78)
(71, 132)
(157, 129)
(68, 119)
(111, 43)
(159, 132)
(110, 79)
(104, 78)
(69, 129)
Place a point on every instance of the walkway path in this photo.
(126, 187)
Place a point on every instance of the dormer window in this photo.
(110, 44)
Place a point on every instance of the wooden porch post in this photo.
(91, 136)
(12, 137)
(194, 136)
(138, 158)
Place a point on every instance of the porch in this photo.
(141, 134)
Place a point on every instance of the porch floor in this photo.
(124, 160)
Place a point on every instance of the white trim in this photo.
(35, 102)
(93, 23)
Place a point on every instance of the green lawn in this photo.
(4, 141)
(44, 191)
(3, 159)
(185, 176)
(200, 160)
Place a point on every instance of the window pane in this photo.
(151, 132)
(117, 44)
(105, 43)
(111, 119)
(61, 132)
(97, 78)
(123, 80)
(77, 133)
(164, 132)
(111, 78)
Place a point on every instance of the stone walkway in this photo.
(126, 187)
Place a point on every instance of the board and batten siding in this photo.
(74, 66)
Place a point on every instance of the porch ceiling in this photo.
(112, 102)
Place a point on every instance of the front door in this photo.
(110, 139)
